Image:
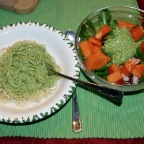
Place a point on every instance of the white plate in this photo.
(65, 55)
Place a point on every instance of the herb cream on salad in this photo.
(114, 49)
(121, 46)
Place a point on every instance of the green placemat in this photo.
(100, 118)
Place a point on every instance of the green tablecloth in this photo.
(100, 118)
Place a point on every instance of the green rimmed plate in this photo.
(65, 56)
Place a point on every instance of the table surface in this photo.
(64, 15)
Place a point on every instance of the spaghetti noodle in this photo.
(23, 74)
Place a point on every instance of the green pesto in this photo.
(121, 46)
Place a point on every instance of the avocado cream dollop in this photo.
(121, 46)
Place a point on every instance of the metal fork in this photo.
(76, 121)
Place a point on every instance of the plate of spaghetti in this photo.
(27, 92)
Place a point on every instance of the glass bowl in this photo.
(124, 13)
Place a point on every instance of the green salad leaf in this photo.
(103, 72)
(91, 25)
(140, 54)
(104, 17)
(87, 30)
(83, 32)
(141, 79)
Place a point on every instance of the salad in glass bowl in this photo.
(111, 47)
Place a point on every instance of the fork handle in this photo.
(76, 122)
(114, 94)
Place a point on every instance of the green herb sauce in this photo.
(121, 46)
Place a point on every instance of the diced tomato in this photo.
(137, 33)
(97, 60)
(115, 77)
(128, 25)
(102, 32)
(86, 48)
(95, 41)
(114, 68)
(97, 49)
(129, 66)
(138, 70)
(121, 81)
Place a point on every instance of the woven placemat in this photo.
(100, 118)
